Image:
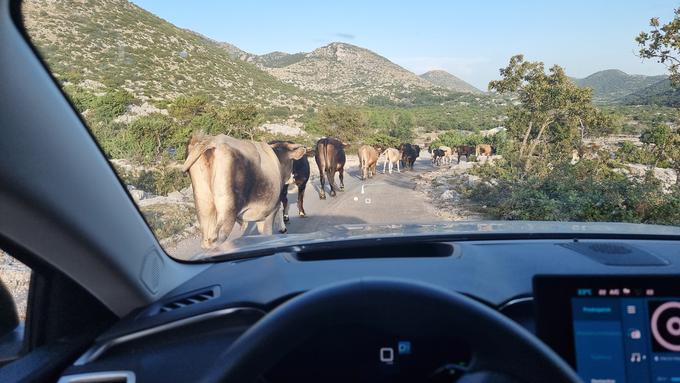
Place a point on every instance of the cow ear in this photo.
(310, 153)
(345, 145)
(298, 152)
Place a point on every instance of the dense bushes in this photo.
(630, 153)
(160, 179)
(587, 191)
(110, 105)
(154, 137)
(354, 125)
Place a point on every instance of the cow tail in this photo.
(328, 163)
(195, 154)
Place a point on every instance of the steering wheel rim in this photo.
(497, 343)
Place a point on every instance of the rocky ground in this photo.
(16, 277)
(446, 188)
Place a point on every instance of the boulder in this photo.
(138, 195)
(176, 196)
(188, 192)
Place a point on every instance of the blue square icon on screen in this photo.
(404, 347)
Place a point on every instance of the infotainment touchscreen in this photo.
(613, 329)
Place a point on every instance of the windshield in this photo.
(241, 123)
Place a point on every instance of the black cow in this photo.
(465, 150)
(409, 153)
(300, 177)
(437, 156)
(330, 158)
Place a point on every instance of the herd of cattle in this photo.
(241, 181)
(444, 154)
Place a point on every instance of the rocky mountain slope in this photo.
(612, 85)
(448, 81)
(115, 44)
(118, 44)
(344, 71)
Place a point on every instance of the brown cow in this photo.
(330, 158)
(465, 150)
(368, 157)
(237, 181)
(483, 150)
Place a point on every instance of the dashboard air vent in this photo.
(190, 299)
(616, 254)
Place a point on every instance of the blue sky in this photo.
(471, 39)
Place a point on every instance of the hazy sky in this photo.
(471, 39)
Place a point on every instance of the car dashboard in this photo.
(576, 295)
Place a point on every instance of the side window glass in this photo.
(15, 279)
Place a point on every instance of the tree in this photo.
(552, 109)
(241, 120)
(401, 125)
(660, 138)
(343, 122)
(663, 44)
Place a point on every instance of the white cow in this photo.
(392, 157)
(448, 154)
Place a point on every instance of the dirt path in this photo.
(386, 198)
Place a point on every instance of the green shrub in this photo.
(628, 152)
(82, 100)
(111, 105)
(149, 137)
(159, 180)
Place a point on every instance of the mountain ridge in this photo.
(447, 80)
(611, 85)
(119, 45)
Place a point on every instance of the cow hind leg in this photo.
(322, 191)
(284, 202)
(342, 178)
(265, 227)
(331, 181)
(280, 221)
(301, 199)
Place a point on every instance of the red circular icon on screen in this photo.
(666, 325)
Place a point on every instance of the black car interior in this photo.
(267, 318)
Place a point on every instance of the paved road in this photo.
(385, 198)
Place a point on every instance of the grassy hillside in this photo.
(660, 93)
(611, 85)
(448, 81)
(116, 43)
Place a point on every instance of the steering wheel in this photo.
(501, 349)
